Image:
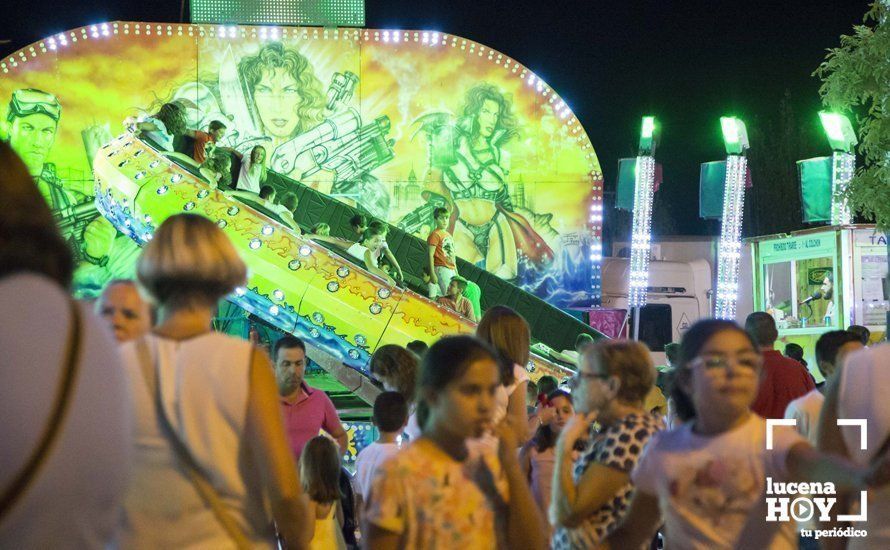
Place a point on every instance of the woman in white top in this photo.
(253, 170)
(860, 391)
(509, 333)
(219, 398)
(73, 499)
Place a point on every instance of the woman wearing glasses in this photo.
(591, 496)
(706, 480)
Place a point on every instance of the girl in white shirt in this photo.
(706, 481)
(253, 170)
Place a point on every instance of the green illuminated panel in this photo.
(326, 13)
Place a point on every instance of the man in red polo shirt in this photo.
(306, 411)
(783, 379)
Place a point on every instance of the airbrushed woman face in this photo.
(277, 97)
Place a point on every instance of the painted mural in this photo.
(396, 123)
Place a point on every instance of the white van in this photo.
(679, 294)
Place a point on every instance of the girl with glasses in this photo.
(706, 480)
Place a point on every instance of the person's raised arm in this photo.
(829, 439)
(371, 266)
(264, 432)
(525, 461)
(393, 262)
(526, 527)
(571, 502)
(831, 463)
(342, 244)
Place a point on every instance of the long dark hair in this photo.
(446, 361)
(545, 438)
(30, 241)
(690, 347)
(476, 97)
(173, 116)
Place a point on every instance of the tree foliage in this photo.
(856, 78)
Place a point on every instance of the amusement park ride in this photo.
(388, 123)
(526, 214)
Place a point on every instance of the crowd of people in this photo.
(150, 430)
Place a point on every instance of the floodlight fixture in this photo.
(648, 133)
(839, 131)
(735, 135)
(842, 138)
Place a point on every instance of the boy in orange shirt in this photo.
(442, 257)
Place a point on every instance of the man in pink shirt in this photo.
(306, 411)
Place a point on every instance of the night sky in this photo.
(687, 62)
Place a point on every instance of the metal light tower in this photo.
(735, 138)
(843, 163)
(641, 236)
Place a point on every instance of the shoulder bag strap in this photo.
(199, 480)
(26, 475)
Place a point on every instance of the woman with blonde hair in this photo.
(509, 333)
(206, 407)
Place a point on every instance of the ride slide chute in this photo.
(294, 284)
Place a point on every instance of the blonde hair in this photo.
(189, 262)
(509, 333)
(627, 360)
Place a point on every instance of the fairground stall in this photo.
(821, 279)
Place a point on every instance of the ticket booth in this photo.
(821, 279)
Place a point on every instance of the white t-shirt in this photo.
(248, 178)
(806, 411)
(368, 461)
(709, 487)
(357, 250)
